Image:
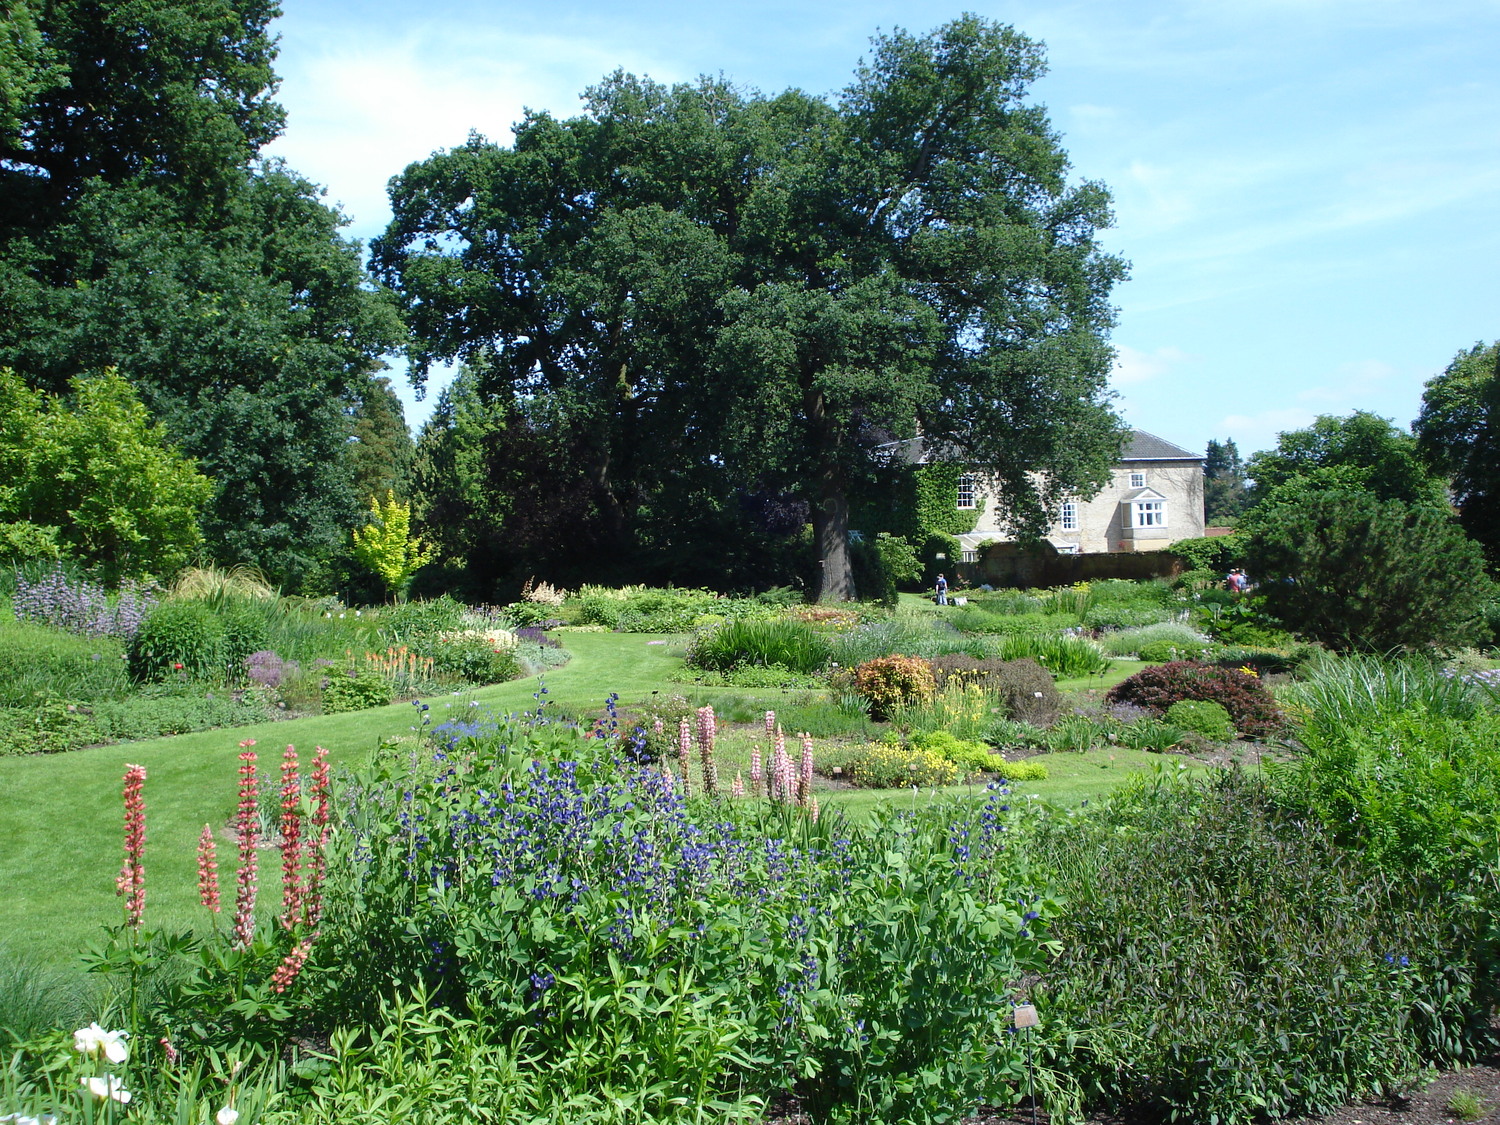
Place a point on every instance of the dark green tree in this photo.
(138, 230)
(1360, 573)
(27, 66)
(1458, 433)
(1224, 486)
(1363, 452)
(719, 290)
(382, 450)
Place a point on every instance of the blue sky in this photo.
(1308, 191)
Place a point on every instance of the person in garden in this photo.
(942, 590)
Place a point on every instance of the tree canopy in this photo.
(1361, 453)
(1224, 488)
(139, 229)
(97, 470)
(697, 288)
(1458, 432)
(1360, 573)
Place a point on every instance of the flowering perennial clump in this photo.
(247, 834)
(131, 884)
(83, 607)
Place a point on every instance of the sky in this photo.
(1308, 191)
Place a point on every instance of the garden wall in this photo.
(1007, 565)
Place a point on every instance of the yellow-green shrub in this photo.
(883, 765)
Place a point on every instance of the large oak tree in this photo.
(703, 282)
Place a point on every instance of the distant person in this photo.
(1237, 581)
(942, 590)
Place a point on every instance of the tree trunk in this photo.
(834, 581)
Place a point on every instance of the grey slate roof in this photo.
(1141, 446)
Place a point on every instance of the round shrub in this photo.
(179, 637)
(245, 633)
(1024, 770)
(888, 682)
(1242, 695)
(1204, 717)
(883, 765)
(475, 659)
(348, 690)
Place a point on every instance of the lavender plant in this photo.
(55, 598)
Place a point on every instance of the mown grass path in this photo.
(61, 820)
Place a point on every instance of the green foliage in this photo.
(1224, 492)
(1215, 554)
(1064, 656)
(354, 690)
(1129, 642)
(935, 509)
(178, 639)
(1242, 695)
(473, 659)
(615, 916)
(382, 450)
(759, 641)
(47, 663)
(1360, 453)
(1458, 435)
(158, 709)
(1351, 692)
(1164, 652)
(896, 567)
(1154, 735)
(886, 765)
(1297, 1001)
(642, 609)
(1203, 717)
(791, 356)
(23, 542)
(981, 618)
(47, 726)
(387, 547)
(889, 682)
(1353, 572)
(99, 472)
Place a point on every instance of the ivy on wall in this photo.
(916, 503)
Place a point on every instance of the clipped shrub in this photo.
(884, 765)
(1203, 717)
(350, 690)
(178, 637)
(888, 682)
(1241, 694)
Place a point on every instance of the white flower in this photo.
(227, 1116)
(106, 1086)
(24, 1119)
(93, 1039)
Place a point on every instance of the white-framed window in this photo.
(1137, 480)
(1068, 516)
(967, 484)
(1148, 513)
(971, 555)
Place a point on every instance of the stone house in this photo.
(1154, 498)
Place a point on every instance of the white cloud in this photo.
(1133, 367)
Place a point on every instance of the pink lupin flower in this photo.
(755, 769)
(247, 833)
(737, 789)
(656, 725)
(779, 775)
(805, 774)
(708, 730)
(131, 883)
(291, 839)
(771, 724)
(290, 966)
(685, 754)
(208, 870)
(812, 810)
(169, 1050)
(312, 890)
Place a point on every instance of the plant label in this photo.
(1025, 1015)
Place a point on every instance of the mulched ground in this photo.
(1430, 1105)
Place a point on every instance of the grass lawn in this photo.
(61, 820)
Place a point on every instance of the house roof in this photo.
(1141, 446)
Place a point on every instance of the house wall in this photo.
(1101, 520)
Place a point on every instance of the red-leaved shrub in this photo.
(1245, 698)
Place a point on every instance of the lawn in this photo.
(60, 815)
